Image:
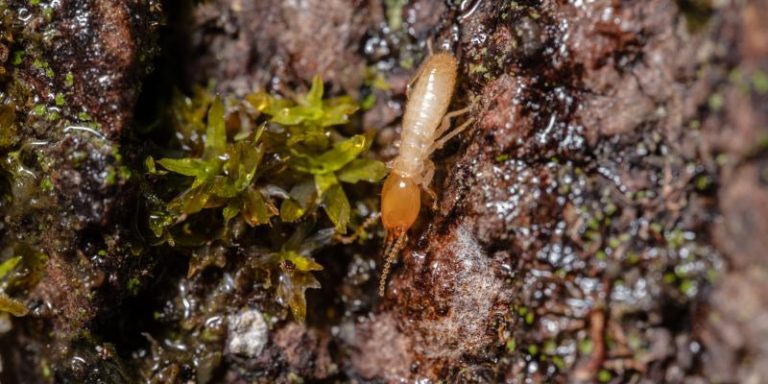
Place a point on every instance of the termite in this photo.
(425, 128)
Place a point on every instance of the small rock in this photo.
(247, 333)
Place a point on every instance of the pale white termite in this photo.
(426, 128)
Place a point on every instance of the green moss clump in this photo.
(21, 267)
(262, 165)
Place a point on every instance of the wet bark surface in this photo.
(77, 66)
(603, 219)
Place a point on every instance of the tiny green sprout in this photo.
(559, 362)
(368, 102)
(48, 13)
(133, 286)
(375, 79)
(46, 369)
(601, 256)
(18, 58)
(477, 69)
(716, 102)
(395, 13)
(586, 346)
(550, 347)
(760, 82)
(688, 287)
(59, 100)
(39, 64)
(69, 79)
(38, 110)
(84, 116)
(529, 318)
(46, 184)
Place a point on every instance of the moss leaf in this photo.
(333, 160)
(216, 134)
(363, 169)
(324, 182)
(191, 200)
(188, 167)
(337, 207)
(9, 265)
(302, 263)
(336, 111)
(14, 307)
(311, 112)
(257, 210)
(291, 210)
(244, 160)
(291, 289)
(315, 95)
(231, 210)
(303, 196)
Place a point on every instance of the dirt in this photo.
(603, 219)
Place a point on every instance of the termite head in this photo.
(400, 203)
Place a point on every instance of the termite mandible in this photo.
(425, 128)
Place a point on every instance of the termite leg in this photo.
(450, 135)
(445, 125)
(372, 219)
(426, 181)
(395, 243)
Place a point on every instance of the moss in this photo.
(760, 82)
(133, 286)
(261, 163)
(585, 347)
(696, 12)
(21, 267)
(14, 307)
(604, 376)
(716, 102)
(69, 79)
(395, 13)
(18, 58)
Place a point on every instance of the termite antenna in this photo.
(395, 243)
(359, 231)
